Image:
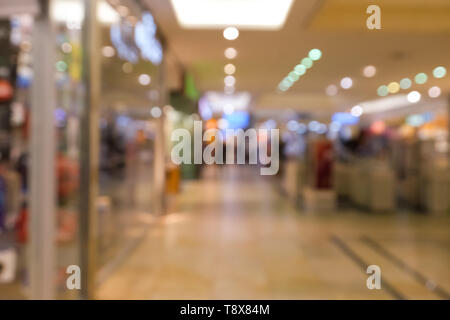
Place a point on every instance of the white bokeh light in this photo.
(144, 79)
(230, 53)
(231, 33)
(414, 97)
(434, 92)
(346, 83)
(357, 111)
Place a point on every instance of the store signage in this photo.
(145, 38)
(345, 118)
(6, 90)
(131, 42)
(123, 40)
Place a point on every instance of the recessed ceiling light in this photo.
(293, 76)
(414, 97)
(245, 14)
(156, 112)
(106, 14)
(331, 90)
(144, 79)
(383, 91)
(300, 69)
(346, 83)
(230, 53)
(315, 54)
(230, 81)
(357, 111)
(307, 62)
(231, 33)
(108, 51)
(439, 72)
(405, 83)
(434, 92)
(393, 87)
(369, 71)
(421, 78)
(230, 69)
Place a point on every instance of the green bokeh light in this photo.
(293, 76)
(421, 78)
(300, 69)
(405, 83)
(307, 62)
(61, 66)
(315, 54)
(439, 72)
(383, 91)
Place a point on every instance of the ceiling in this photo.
(415, 37)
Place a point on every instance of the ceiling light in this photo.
(106, 14)
(245, 14)
(156, 112)
(307, 62)
(405, 83)
(282, 87)
(331, 90)
(66, 47)
(231, 33)
(70, 11)
(434, 92)
(230, 81)
(315, 54)
(383, 91)
(108, 52)
(421, 78)
(300, 69)
(230, 53)
(127, 67)
(293, 76)
(378, 106)
(230, 69)
(369, 71)
(144, 79)
(393, 87)
(346, 83)
(357, 111)
(414, 97)
(439, 72)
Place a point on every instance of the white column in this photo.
(42, 160)
(90, 146)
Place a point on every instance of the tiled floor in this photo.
(233, 236)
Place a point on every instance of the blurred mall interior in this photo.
(91, 92)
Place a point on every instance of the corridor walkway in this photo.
(231, 235)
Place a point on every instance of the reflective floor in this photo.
(232, 235)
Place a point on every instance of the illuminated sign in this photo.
(145, 38)
(130, 42)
